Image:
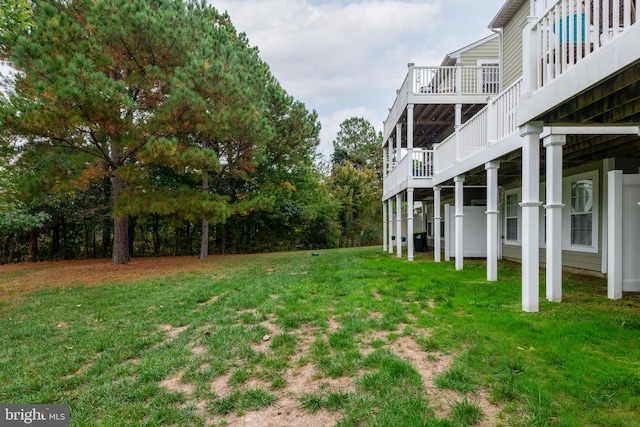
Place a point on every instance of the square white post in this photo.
(390, 219)
(398, 143)
(385, 160)
(410, 126)
(410, 224)
(410, 189)
(385, 226)
(447, 234)
(458, 124)
(459, 215)
(410, 145)
(614, 268)
(492, 220)
(436, 224)
(553, 145)
(530, 134)
(399, 225)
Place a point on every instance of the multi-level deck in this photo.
(578, 92)
(429, 105)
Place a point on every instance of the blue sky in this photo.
(347, 58)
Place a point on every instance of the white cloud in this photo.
(346, 58)
(322, 50)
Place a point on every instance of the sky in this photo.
(346, 58)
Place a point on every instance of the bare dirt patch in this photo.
(285, 413)
(23, 279)
(198, 350)
(334, 325)
(172, 332)
(79, 371)
(175, 384)
(220, 385)
(211, 300)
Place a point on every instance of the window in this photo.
(512, 217)
(582, 212)
(580, 196)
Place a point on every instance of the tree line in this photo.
(137, 128)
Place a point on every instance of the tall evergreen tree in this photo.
(95, 77)
(358, 143)
(357, 179)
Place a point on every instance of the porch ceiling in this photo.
(432, 123)
(614, 101)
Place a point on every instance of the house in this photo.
(532, 153)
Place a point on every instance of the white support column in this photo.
(614, 273)
(492, 220)
(529, 53)
(385, 231)
(410, 126)
(410, 247)
(492, 122)
(390, 219)
(458, 124)
(410, 142)
(553, 145)
(398, 143)
(447, 234)
(459, 181)
(392, 156)
(385, 160)
(399, 225)
(530, 134)
(437, 211)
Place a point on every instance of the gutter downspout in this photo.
(500, 57)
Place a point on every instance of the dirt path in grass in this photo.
(19, 280)
(306, 378)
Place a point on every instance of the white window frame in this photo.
(517, 193)
(595, 213)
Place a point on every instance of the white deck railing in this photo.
(418, 165)
(442, 81)
(445, 154)
(493, 123)
(465, 80)
(422, 163)
(504, 106)
(569, 30)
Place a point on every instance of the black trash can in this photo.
(420, 241)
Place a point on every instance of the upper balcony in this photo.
(443, 85)
(581, 67)
(589, 41)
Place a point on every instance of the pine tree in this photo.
(95, 77)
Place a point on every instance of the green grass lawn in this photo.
(351, 337)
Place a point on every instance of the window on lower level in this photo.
(580, 195)
(512, 217)
(582, 212)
